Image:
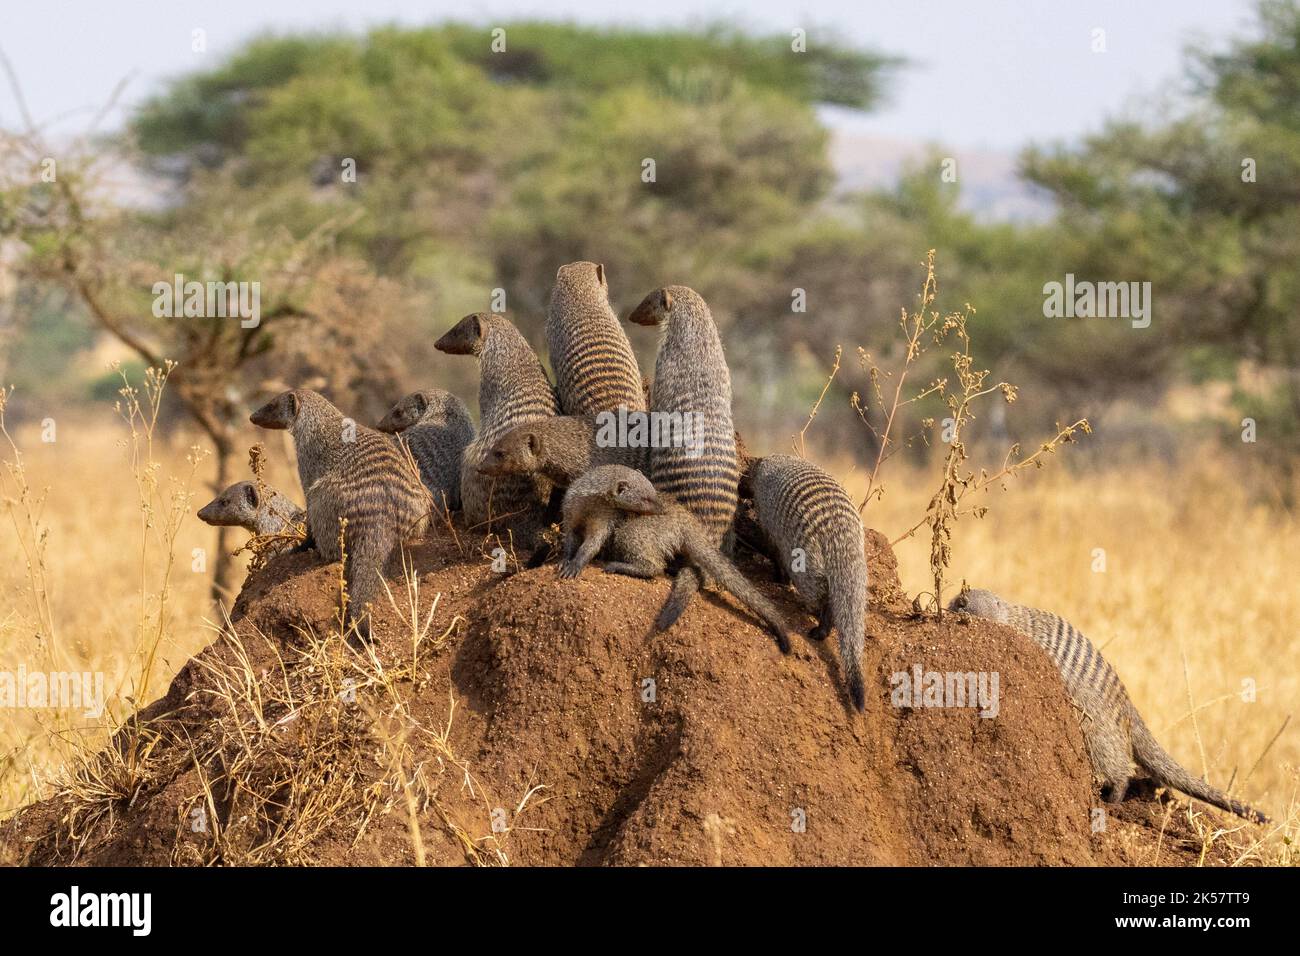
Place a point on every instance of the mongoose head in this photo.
(981, 603)
(408, 411)
(467, 336)
(654, 308)
(661, 304)
(281, 411)
(237, 506)
(579, 276)
(517, 452)
(629, 490)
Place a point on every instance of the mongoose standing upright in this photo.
(616, 510)
(692, 387)
(349, 471)
(815, 538)
(436, 426)
(560, 448)
(595, 367)
(513, 389)
(1116, 735)
(260, 512)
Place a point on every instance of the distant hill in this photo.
(990, 185)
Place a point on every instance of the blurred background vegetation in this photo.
(478, 169)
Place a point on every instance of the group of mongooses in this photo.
(657, 498)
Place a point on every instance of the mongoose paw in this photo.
(570, 569)
(819, 631)
(859, 695)
(783, 642)
(539, 556)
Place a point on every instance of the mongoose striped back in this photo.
(1116, 735)
(692, 384)
(595, 367)
(815, 536)
(352, 472)
(1089, 679)
(513, 389)
(437, 441)
(355, 473)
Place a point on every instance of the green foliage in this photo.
(1175, 201)
(681, 63)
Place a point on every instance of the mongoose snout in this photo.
(512, 459)
(279, 412)
(653, 309)
(404, 414)
(229, 507)
(465, 337)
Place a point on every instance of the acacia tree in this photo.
(1207, 205)
(57, 210)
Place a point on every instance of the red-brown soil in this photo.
(547, 677)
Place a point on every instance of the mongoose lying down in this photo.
(264, 512)
(560, 448)
(814, 538)
(435, 425)
(616, 511)
(513, 389)
(1114, 731)
(349, 471)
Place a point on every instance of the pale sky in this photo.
(993, 74)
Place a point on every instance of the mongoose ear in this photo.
(293, 405)
(666, 300)
(250, 495)
(600, 274)
(620, 489)
(421, 404)
(534, 444)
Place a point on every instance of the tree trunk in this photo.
(223, 568)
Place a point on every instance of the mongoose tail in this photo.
(847, 596)
(713, 563)
(1116, 736)
(1166, 771)
(686, 584)
(367, 554)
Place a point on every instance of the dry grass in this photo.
(329, 738)
(1197, 596)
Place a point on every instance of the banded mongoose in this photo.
(693, 386)
(261, 512)
(1113, 730)
(561, 448)
(616, 511)
(595, 367)
(513, 390)
(815, 541)
(350, 471)
(436, 426)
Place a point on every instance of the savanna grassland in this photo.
(1195, 604)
